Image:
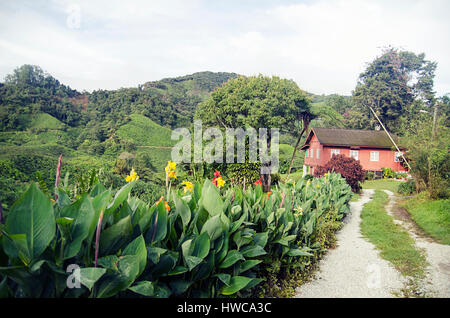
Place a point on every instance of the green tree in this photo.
(391, 84)
(258, 102)
(427, 139)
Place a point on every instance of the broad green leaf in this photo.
(224, 278)
(201, 245)
(178, 270)
(144, 288)
(16, 245)
(154, 253)
(114, 237)
(109, 262)
(246, 265)
(165, 265)
(183, 210)
(211, 199)
(82, 213)
(213, 226)
(232, 257)
(158, 225)
(90, 275)
(137, 247)
(261, 238)
(298, 252)
(120, 196)
(253, 251)
(192, 261)
(33, 216)
(114, 283)
(236, 284)
(98, 188)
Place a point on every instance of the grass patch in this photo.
(355, 197)
(145, 132)
(394, 243)
(382, 184)
(432, 216)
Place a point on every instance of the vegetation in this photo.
(388, 87)
(383, 184)
(432, 216)
(213, 242)
(394, 243)
(348, 167)
(257, 102)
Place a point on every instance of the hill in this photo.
(41, 118)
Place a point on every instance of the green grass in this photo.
(355, 197)
(393, 242)
(46, 121)
(145, 132)
(432, 216)
(382, 184)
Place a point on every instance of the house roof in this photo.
(351, 137)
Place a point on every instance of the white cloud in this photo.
(322, 45)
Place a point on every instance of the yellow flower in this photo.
(133, 176)
(326, 174)
(188, 186)
(171, 174)
(170, 169)
(308, 182)
(171, 166)
(317, 185)
(220, 182)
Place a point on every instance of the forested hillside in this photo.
(105, 130)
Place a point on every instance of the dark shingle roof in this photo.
(351, 137)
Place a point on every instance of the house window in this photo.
(397, 156)
(307, 153)
(312, 153)
(335, 152)
(374, 156)
(354, 154)
(318, 153)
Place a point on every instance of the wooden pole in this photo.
(398, 149)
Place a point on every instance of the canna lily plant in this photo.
(201, 242)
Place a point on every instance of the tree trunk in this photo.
(266, 180)
(294, 152)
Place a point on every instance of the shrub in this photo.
(407, 187)
(370, 175)
(349, 168)
(203, 242)
(388, 173)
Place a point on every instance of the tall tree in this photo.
(394, 84)
(258, 102)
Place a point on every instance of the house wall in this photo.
(385, 160)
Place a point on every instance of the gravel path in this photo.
(437, 281)
(353, 269)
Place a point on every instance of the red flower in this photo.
(214, 181)
(217, 174)
(258, 182)
(268, 194)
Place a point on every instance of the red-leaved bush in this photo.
(349, 168)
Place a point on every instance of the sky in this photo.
(322, 45)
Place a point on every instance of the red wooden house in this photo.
(372, 148)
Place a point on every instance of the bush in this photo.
(388, 173)
(349, 168)
(407, 188)
(370, 175)
(204, 243)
